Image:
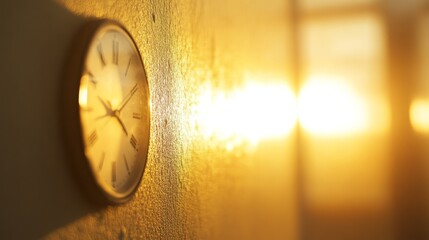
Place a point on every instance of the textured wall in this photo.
(196, 185)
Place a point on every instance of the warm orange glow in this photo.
(83, 91)
(419, 115)
(255, 112)
(327, 106)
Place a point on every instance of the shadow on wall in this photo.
(38, 191)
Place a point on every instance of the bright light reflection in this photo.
(255, 112)
(327, 106)
(83, 92)
(419, 115)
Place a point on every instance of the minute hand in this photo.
(127, 98)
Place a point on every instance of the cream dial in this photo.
(114, 111)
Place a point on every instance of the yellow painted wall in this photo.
(225, 159)
(200, 182)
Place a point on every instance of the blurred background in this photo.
(279, 119)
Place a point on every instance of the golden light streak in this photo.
(419, 115)
(83, 91)
(327, 106)
(256, 111)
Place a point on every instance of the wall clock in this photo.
(107, 111)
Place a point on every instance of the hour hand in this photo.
(107, 107)
(109, 112)
(116, 115)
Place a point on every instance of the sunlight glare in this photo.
(419, 115)
(83, 92)
(328, 106)
(255, 112)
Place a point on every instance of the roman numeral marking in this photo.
(133, 142)
(128, 67)
(92, 138)
(137, 115)
(100, 165)
(115, 54)
(126, 165)
(100, 54)
(113, 174)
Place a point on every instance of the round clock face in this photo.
(114, 110)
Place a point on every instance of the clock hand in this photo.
(116, 115)
(127, 98)
(109, 112)
(106, 106)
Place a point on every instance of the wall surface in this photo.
(199, 183)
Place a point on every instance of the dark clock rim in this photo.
(71, 114)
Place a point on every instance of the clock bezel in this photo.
(72, 121)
